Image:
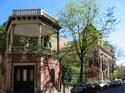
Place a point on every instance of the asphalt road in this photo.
(118, 89)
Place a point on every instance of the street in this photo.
(119, 89)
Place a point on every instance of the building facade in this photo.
(104, 62)
(107, 61)
(31, 61)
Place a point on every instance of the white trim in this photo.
(23, 64)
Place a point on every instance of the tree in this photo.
(2, 39)
(119, 53)
(69, 72)
(2, 45)
(119, 72)
(79, 20)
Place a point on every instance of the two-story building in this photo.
(32, 64)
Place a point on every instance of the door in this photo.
(24, 79)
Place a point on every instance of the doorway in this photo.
(24, 79)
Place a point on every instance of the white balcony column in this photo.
(39, 38)
(101, 66)
(108, 67)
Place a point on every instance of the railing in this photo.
(27, 12)
(32, 49)
(30, 12)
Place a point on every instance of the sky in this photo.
(118, 36)
(53, 6)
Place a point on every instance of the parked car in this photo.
(78, 88)
(85, 87)
(114, 83)
(123, 81)
(96, 86)
(103, 83)
(89, 87)
(119, 81)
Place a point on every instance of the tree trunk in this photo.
(63, 88)
(85, 71)
(81, 70)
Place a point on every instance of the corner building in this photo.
(31, 62)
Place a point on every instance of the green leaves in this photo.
(120, 72)
(69, 73)
(85, 25)
(77, 19)
(3, 34)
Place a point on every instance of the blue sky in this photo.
(53, 6)
(118, 36)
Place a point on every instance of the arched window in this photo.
(52, 74)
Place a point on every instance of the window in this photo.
(24, 75)
(46, 41)
(31, 75)
(18, 75)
